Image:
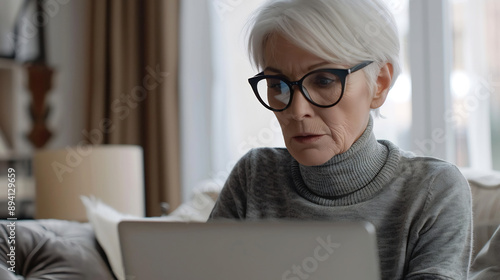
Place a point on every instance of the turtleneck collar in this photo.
(350, 177)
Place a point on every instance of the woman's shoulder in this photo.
(426, 164)
(426, 169)
(259, 160)
(439, 178)
(266, 156)
(431, 166)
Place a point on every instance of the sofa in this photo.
(57, 249)
(485, 189)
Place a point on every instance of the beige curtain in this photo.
(133, 96)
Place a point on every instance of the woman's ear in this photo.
(384, 81)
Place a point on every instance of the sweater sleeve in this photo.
(231, 203)
(442, 234)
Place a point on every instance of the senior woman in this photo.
(326, 64)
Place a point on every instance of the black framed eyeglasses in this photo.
(323, 87)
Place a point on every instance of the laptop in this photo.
(248, 250)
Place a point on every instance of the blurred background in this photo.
(171, 77)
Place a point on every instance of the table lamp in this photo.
(113, 174)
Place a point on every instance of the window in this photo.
(475, 82)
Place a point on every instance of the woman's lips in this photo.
(307, 139)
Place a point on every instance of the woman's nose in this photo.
(300, 107)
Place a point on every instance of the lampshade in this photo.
(113, 174)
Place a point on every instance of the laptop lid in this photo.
(249, 250)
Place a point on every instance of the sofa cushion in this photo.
(53, 249)
(486, 210)
(485, 188)
(487, 263)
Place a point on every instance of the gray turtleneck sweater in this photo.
(420, 206)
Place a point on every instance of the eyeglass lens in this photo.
(322, 88)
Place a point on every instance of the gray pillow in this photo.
(53, 249)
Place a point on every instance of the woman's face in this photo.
(313, 135)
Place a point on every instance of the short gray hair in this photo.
(344, 32)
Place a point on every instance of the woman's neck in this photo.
(346, 173)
